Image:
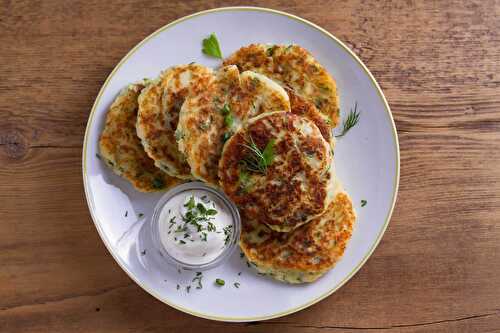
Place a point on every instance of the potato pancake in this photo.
(121, 148)
(294, 67)
(278, 169)
(159, 106)
(307, 252)
(208, 119)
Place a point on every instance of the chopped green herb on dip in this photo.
(195, 227)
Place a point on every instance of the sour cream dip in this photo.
(196, 226)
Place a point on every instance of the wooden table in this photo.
(438, 265)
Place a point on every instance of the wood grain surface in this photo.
(437, 268)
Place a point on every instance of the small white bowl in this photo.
(228, 249)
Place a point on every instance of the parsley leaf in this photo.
(258, 161)
(201, 208)
(211, 212)
(211, 46)
(190, 204)
(268, 152)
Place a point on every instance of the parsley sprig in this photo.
(211, 46)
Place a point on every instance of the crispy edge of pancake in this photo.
(121, 149)
(291, 257)
(295, 67)
(159, 107)
(266, 93)
(251, 206)
(305, 108)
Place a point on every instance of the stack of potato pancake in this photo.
(258, 128)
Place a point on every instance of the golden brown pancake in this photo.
(307, 252)
(302, 107)
(208, 119)
(121, 149)
(294, 187)
(294, 67)
(159, 106)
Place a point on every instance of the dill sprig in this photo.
(258, 160)
(351, 121)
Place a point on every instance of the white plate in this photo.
(367, 160)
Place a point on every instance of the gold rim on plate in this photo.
(91, 205)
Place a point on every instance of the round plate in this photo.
(367, 161)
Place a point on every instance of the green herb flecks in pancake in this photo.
(121, 149)
(209, 119)
(294, 67)
(277, 169)
(159, 107)
(306, 253)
